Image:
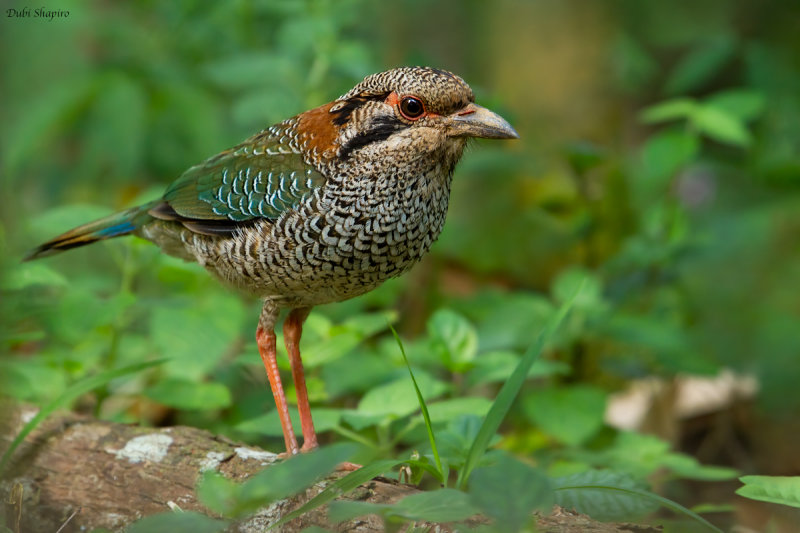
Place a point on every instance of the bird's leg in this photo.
(292, 330)
(265, 338)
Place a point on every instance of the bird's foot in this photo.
(309, 446)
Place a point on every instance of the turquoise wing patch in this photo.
(261, 178)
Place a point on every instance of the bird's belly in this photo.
(314, 258)
(347, 260)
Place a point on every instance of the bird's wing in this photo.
(259, 179)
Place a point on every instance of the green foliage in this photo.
(591, 492)
(570, 415)
(341, 486)
(774, 489)
(509, 491)
(455, 338)
(609, 495)
(279, 481)
(443, 474)
(721, 118)
(660, 170)
(185, 394)
(509, 391)
(180, 521)
(443, 505)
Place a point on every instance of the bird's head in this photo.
(401, 116)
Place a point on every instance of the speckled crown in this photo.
(441, 90)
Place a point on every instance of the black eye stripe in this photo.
(378, 130)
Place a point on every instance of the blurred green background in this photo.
(659, 158)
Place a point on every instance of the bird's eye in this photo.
(411, 108)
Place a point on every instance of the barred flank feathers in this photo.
(114, 225)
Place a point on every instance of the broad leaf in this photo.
(776, 489)
(509, 491)
(456, 338)
(290, 477)
(184, 394)
(570, 415)
(398, 397)
(596, 493)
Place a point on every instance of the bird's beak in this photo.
(477, 121)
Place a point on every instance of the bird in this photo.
(319, 208)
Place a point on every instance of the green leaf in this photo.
(744, 104)
(74, 391)
(677, 108)
(171, 522)
(667, 152)
(289, 477)
(184, 394)
(491, 367)
(342, 511)
(248, 70)
(508, 393)
(398, 398)
(270, 424)
(258, 106)
(509, 491)
(340, 487)
(721, 126)
(442, 475)
(570, 415)
(446, 410)
(196, 336)
(372, 368)
(50, 110)
(26, 275)
(705, 508)
(456, 337)
(116, 127)
(642, 455)
(775, 489)
(688, 467)
(700, 65)
(333, 342)
(443, 505)
(570, 280)
(188, 127)
(633, 64)
(607, 495)
(330, 348)
(16, 380)
(217, 492)
(513, 321)
(368, 324)
(603, 495)
(359, 421)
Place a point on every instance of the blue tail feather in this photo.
(114, 225)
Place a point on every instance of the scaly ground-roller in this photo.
(320, 208)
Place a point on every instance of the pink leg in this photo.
(292, 330)
(265, 337)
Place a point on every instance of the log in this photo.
(74, 473)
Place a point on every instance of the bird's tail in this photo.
(114, 225)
